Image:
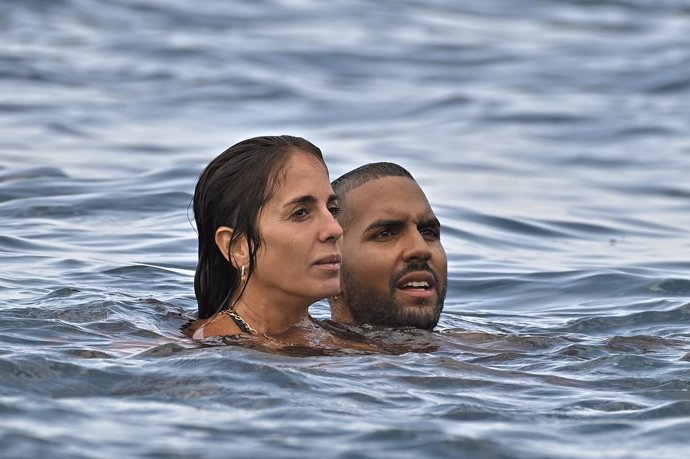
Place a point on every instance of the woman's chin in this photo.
(327, 291)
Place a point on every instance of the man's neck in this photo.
(340, 312)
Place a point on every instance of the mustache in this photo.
(413, 267)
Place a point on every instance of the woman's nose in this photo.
(332, 229)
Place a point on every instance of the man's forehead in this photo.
(388, 197)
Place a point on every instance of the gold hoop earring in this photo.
(243, 274)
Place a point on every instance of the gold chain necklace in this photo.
(241, 323)
(245, 327)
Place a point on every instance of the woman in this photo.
(268, 240)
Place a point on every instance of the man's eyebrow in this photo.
(391, 223)
(430, 222)
(382, 223)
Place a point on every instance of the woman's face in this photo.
(300, 253)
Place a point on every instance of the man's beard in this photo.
(370, 306)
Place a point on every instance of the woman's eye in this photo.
(299, 213)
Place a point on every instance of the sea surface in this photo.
(552, 138)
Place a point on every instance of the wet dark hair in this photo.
(358, 177)
(231, 191)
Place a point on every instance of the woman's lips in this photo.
(330, 263)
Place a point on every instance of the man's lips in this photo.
(419, 284)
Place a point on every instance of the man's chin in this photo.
(395, 308)
(415, 299)
(418, 312)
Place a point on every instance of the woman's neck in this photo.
(269, 315)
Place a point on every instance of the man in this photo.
(394, 269)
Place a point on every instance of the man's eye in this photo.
(430, 233)
(334, 210)
(384, 234)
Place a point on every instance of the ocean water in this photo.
(552, 138)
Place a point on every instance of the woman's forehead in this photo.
(303, 173)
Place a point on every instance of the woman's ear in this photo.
(238, 254)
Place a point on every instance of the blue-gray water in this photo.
(552, 138)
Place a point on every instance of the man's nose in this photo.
(416, 247)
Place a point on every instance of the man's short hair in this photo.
(363, 174)
(358, 177)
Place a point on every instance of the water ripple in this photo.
(550, 138)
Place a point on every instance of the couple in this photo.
(275, 236)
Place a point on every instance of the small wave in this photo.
(639, 321)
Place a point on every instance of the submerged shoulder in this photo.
(217, 325)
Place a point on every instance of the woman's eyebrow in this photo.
(306, 199)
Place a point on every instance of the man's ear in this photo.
(238, 254)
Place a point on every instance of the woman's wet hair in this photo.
(231, 191)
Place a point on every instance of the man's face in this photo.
(394, 270)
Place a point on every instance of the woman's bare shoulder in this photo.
(217, 325)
